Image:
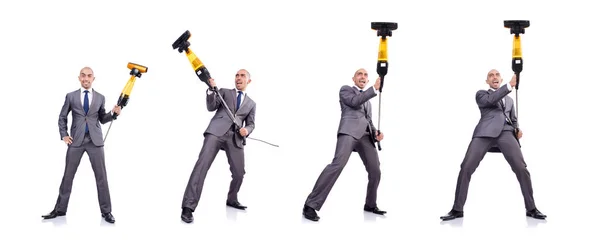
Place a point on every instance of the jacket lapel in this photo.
(234, 102)
(243, 102)
(79, 101)
(364, 105)
(231, 104)
(499, 103)
(95, 104)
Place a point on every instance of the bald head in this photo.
(87, 68)
(244, 71)
(86, 77)
(494, 71)
(360, 70)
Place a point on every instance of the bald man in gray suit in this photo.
(356, 133)
(222, 135)
(497, 131)
(87, 111)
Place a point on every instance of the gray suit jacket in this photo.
(221, 123)
(96, 115)
(492, 119)
(356, 112)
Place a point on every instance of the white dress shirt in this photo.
(90, 97)
(365, 89)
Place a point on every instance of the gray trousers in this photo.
(210, 148)
(73, 158)
(512, 153)
(345, 146)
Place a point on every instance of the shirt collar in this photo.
(498, 88)
(356, 87)
(83, 89)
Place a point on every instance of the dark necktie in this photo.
(86, 107)
(239, 100)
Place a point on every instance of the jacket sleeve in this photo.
(62, 117)
(212, 103)
(486, 100)
(348, 97)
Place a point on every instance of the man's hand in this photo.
(68, 140)
(243, 132)
(513, 81)
(379, 136)
(117, 109)
(377, 83)
(519, 134)
(212, 83)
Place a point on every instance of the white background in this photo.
(299, 54)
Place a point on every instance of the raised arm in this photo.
(212, 101)
(350, 98)
(485, 99)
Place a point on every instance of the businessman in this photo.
(356, 133)
(221, 134)
(497, 131)
(87, 112)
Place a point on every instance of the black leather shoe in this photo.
(236, 204)
(374, 210)
(310, 213)
(53, 214)
(536, 214)
(108, 217)
(453, 214)
(186, 215)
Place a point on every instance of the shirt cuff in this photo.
(376, 91)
